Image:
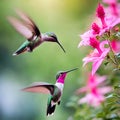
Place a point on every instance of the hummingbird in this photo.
(55, 91)
(27, 28)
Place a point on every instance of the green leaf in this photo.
(100, 115)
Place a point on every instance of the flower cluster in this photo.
(103, 37)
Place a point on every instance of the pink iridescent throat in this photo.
(61, 78)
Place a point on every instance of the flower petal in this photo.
(96, 65)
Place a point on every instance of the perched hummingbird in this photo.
(55, 90)
(30, 31)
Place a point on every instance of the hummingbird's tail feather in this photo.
(50, 109)
(20, 50)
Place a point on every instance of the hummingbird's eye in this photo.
(54, 37)
(60, 74)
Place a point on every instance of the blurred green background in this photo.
(68, 19)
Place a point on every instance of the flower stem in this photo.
(114, 60)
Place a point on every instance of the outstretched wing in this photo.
(29, 21)
(41, 87)
(22, 28)
(26, 27)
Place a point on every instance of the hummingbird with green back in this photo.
(55, 90)
(27, 28)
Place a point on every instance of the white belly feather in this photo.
(60, 86)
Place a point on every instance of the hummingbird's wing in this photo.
(29, 21)
(26, 27)
(41, 87)
(21, 27)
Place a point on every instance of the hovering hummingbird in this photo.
(30, 31)
(55, 90)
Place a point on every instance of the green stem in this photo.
(115, 61)
(106, 38)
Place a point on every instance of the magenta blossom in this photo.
(108, 22)
(94, 93)
(98, 30)
(113, 8)
(85, 38)
(97, 57)
(88, 39)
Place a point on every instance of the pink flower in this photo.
(98, 29)
(108, 22)
(113, 11)
(88, 39)
(95, 30)
(97, 57)
(94, 93)
(113, 7)
(85, 38)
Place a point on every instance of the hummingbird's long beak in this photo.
(61, 46)
(71, 70)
